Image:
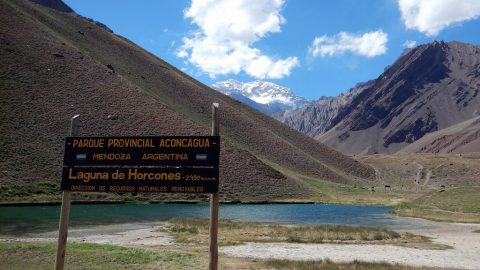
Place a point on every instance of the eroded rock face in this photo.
(429, 88)
(321, 115)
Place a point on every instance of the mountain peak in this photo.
(265, 96)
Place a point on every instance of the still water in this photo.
(31, 219)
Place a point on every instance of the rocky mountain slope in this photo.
(54, 4)
(266, 97)
(457, 139)
(429, 88)
(55, 65)
(320, 116)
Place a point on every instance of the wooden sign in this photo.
(168, 164)
(143, 151)
(140, 179)
(178, 164)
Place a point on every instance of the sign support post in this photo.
(179, 164)
(214, 202)
(65, 212)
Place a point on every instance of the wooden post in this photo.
(214, 203)
(65, 212)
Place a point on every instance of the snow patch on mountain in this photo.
(266, 96)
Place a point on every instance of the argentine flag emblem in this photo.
(81, 156)
(201, 157)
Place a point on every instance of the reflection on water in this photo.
(32, 219)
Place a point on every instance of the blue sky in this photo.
(316, 48)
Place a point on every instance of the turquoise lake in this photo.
(29, 219)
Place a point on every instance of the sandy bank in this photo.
(117, 234)
(464, 255)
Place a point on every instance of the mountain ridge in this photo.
(57, 5)
(319, 116)
(430, 87)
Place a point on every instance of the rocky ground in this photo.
(463, 254)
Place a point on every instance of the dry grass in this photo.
(462, 200)
(401, 171)
(451, 205)
(39, 256)
(231, 233)
(329, 265)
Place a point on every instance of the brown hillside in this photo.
(429, 88)
(55, 65)
(426, 171)
(457, 139)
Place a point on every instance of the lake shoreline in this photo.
(461, 237)
(10, 204)
(100, 202)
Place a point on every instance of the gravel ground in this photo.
(118, 234)
(465, 253)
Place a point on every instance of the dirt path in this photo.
(418, 176)
(464, 255)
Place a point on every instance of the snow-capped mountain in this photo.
(267, 97)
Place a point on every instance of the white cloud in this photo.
(409, 44)
(369, 44)
(432, 16)
(227, 30)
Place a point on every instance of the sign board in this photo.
(169, 164)
(142, 151)
(175, 164)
